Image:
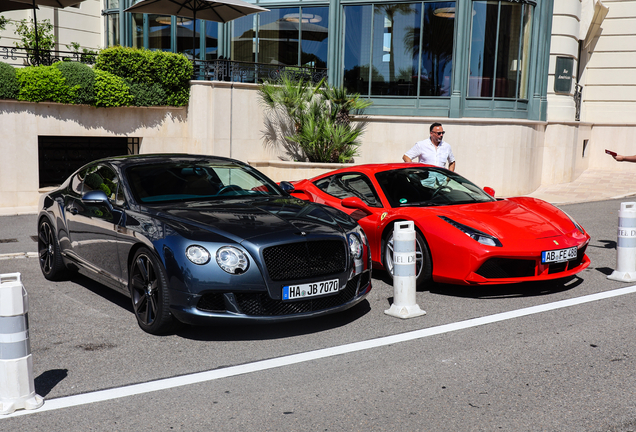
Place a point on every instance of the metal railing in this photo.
(246, 72)
(28, 57)
(209, 70)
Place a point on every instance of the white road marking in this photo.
(168, 383)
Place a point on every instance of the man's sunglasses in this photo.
(439, 133)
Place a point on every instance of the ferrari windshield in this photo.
(428, 186)
(197, 180)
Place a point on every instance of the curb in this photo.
(18, 255)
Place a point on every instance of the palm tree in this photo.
(312, 122)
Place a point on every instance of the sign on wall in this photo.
(563, 75)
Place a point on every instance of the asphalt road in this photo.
(566, 364)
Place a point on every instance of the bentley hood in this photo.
(240, 220)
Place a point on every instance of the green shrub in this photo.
(111, 90)
(82, 76)
(179, 97)
(134, 64)
(44, 83)
(9, 87)
(145, 94)
(171, 71)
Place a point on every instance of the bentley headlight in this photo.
(481, 237)
(198, 254)
(232, 260)
(355, 245)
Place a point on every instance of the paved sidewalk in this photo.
(592, 185)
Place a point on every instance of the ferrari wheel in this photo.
(423, 266)
(149, 293)
(49, 255)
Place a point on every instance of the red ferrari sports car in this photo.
(463, 234)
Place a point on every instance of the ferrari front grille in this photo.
(502, 268)
(304, 260)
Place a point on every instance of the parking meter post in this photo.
(404, 272)
(17, 387)
(626, 244)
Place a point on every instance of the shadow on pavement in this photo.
(265, 331)
(526, 289)
(46, 381)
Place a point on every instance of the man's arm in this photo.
(621, 158)
(407, 159)
(451, 166)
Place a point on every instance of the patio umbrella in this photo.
(10, 5)
(211, 10)
(34, 5)
(283, 29)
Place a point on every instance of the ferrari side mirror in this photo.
(355, 203)
(490, 191)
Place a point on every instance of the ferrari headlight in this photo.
(481, 237)
(232, 260)
(198, 254)
(355, 245)
(576, 224)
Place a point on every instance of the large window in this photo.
(287, 36)
(170, 33)
(111, 13)
(403, 49)
(500, 47)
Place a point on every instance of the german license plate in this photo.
(558, 255)
(292, 292)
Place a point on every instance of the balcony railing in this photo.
(209, 70)
(246, 72)
(28, 57)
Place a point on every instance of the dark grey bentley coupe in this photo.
(195, 239)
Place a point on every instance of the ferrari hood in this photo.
(518, 218)
(239, 219)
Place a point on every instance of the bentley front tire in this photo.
(149, 293)
(49, 255)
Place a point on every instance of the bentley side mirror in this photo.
(286, 186)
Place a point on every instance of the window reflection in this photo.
(395, 55)
(137, 30)
(112, 32)
(357, 49)
(499, 50)
(288, 36)
(159, 34)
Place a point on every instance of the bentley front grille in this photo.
(304, 260)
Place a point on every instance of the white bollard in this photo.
(17, 388)
(404, 272)
(626, 244)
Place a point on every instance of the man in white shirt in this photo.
(432, 151)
